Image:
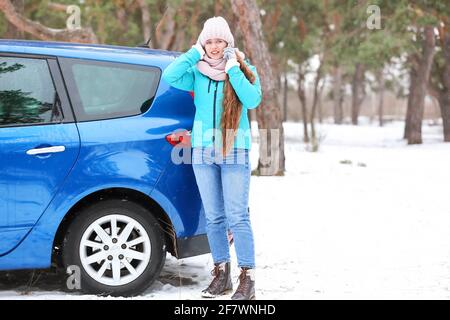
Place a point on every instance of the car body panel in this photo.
(128, 152)
(29, 182)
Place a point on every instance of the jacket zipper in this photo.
(214, 113)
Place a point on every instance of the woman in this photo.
(225, 87)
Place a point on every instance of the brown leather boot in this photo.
(246, 289)
(221, 284)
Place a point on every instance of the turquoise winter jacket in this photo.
(208, 97)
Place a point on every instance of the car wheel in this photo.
(117, 245)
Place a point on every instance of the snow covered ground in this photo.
(366, 217)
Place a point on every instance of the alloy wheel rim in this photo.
(115, 250)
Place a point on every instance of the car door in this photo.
(39, 142)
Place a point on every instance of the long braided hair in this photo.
(232, 108)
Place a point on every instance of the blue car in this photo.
(88, 138)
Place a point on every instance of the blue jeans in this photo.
(224, 189)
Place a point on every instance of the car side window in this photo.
(27, 93)
(105, 90)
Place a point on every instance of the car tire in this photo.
(111, 262)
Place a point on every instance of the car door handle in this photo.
(55, 149)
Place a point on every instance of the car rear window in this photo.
(27, 93)
(105, 90)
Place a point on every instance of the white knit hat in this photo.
(216, 28)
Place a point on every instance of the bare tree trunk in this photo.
(277, 70)
(319, 101)
(194, 20)
(302, 98)
(444, 97)
(57, 6)
(122, 21)
(179, 39)
(416, 98)
(444, 104)
(145, 19)
(184, 18)
(165, 31)
(439, 85)
(315, 101)
(218, 7)
(357, 92)
(285, 97)
(278, 75)
(271, 150)
(337, 96)
(83, 35)
(270, 20)
(12, 32)
(409, 109)
(381, 98)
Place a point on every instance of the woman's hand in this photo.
(200, 49)
(229, 54)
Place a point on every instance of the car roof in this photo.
(133, 55)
